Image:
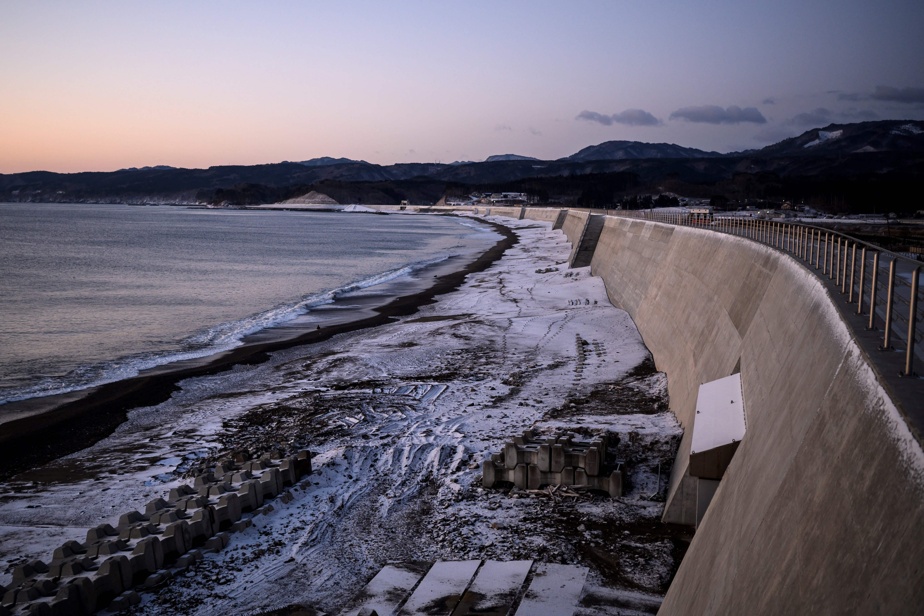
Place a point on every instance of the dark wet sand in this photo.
(71, 424)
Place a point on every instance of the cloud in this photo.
(860, 115)
(593, 116)
(851, 96)
(501, 127)
(817, 117)
(535, 131)
(899, 95)
(769, 101)
(713, 114)
(629, 117)
(822, 116)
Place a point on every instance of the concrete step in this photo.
(554, 591)
(442, 588)
(466, 588)
(494, 589)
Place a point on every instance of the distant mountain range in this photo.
(836, 166)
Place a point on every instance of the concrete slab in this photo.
(385, 592)
(441, 589)
(494, 589)
(554, 591)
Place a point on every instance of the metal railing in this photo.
(883, 285)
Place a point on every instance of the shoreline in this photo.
(76, 420)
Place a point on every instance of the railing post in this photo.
(912, 318)
(862, 279)
(836, 261)
(824, 257)
(853, 271)
(890, 292)
(844, 270)
(872, 292)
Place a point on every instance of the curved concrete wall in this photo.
(822, 507)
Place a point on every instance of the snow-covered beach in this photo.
(399, 418)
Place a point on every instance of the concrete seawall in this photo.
(822, 507)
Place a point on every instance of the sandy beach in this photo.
(399, 418)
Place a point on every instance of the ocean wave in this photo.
(215, 339)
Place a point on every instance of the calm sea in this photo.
(91, 294)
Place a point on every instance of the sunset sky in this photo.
(103, 85)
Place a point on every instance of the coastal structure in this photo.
(821, 507)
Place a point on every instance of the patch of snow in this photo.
(907, 129)
(824, 136)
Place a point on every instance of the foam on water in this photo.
(312, 251)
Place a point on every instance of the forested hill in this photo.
(839, 167)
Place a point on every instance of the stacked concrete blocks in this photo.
(530, 463)
(145, 549)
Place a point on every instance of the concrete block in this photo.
(106, 548)
(557, 461)
(303, 463)
(202, 525)
(191, 503)
(101, 533)
(85, 594)
(488, 476)
(26, 571)
(19, 596)
(162, 518)
(66, 601)
(241, 525)
(256, 465)
(580, 477)
(271, 482)
(286, 497)
(615, 484)
(533, 477)
(521, 476)
(511, 455)
(213, 491)
(130, 518)
(137, 531)
(204, 480)
(45, 587)
(228, 510)
(156, 505)
(180, 492)
(177, 540)
(251, 495)
(122, 565)
(39, 608)
(544, 457)
(218, 542)
(225, 466)
(147, 557)
(592, 462)
(126, 600)
(567, 476)
(241, 476)
(70, 548)
(65, 568)
(288, 471)
(108, 583)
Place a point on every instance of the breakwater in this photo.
(822, 505)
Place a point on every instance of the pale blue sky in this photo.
(104, 85)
